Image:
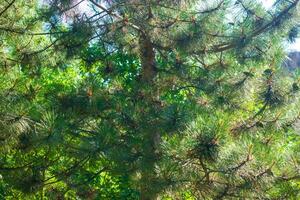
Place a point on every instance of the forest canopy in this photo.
(148, 99)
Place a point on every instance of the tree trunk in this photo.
(147, 56)
(148, 191)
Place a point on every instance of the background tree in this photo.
(171, 98)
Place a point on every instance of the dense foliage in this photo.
(148, 99)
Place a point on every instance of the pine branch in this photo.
(7, 7)
(116, 16)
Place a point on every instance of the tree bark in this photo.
(148, 191)
(147, 56)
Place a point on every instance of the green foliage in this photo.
(147, 100)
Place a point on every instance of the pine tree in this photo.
(174, 99)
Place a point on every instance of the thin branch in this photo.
(116, 15)
(212, 9)
(7, 7)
